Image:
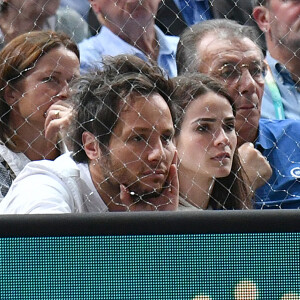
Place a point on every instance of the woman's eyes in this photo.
(202, 128)
(229, 127)
(206, 128)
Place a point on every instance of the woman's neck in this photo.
(194, 188)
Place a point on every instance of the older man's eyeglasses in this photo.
(232, 73)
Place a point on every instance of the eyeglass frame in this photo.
(258, 77)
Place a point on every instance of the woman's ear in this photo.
(11, 95)
(91, 145)
(261, 15)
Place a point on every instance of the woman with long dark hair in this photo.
(210, 174)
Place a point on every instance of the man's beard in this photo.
(114, 178)
(145, 196)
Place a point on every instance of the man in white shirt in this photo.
(123, 156)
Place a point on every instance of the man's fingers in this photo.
(169, 198)
(58, 118)
(175, 158)
(173, 181)
(125, 197)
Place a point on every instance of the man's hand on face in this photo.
(166, 201)
(256, 166)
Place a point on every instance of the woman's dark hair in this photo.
(228, 192)
(20, 56)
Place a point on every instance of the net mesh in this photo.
(136, 160)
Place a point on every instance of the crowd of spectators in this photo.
(149, 105)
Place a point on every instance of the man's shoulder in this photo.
(63, 165)
(278, 140)
(273, 132)
(95, 47)
(278, 125)
(168, 42)
(99, 41)
(89, 43)
(105, 43)
(45, 186)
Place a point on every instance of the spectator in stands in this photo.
(210, 173)
(237, 10)
(35, 71)
(279, 20)
(128, 28)
(174, 16)
(240, 11)
(125, 159)
(227, 51)
(21, 16)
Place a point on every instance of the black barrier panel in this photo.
(247, 221)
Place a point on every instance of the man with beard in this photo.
(280, 22)
(123, 157)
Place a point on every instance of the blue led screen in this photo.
(196, 266)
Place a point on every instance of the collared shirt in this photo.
(278, 141)
(194, 11)
(106, 43)
(59, 186)
(290, 96)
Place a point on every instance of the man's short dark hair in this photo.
(187, 57)
(98, 97)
